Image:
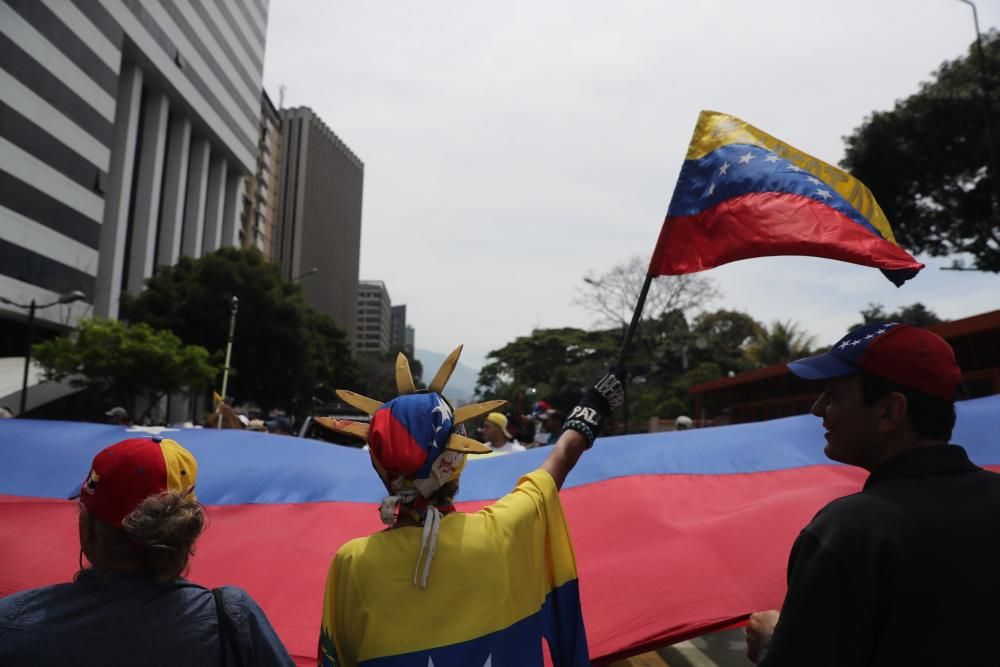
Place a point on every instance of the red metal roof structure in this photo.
(772, 392)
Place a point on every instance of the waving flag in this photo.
(675, 534)
(742, 193)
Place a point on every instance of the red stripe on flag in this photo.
(767, 223)
(661, 558)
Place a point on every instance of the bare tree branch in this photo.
(612, 295)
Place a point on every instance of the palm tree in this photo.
(779, 343)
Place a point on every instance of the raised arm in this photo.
(584, 424)
(565, 453)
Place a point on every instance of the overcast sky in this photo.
(511, 147)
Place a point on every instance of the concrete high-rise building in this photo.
(260, 196)
(374, 317)
(319, 219)
(397, 333)
(409, 341)
(126, 131)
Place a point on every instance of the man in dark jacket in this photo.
(904, 572)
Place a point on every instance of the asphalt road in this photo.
(721, 649)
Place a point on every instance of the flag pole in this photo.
(630, 332)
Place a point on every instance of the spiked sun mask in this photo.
(414, 439)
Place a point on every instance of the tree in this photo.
(666, 357)
(780, 343)
(557, 363)
(916, 314)
(328, 366)
(722, 338)
(612, 296)
(927, 162)
(121, 362)
(284, 355)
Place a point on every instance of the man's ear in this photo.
(892, 412)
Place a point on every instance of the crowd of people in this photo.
(902, 572)
(224, 416)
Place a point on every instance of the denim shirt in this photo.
(111, 618)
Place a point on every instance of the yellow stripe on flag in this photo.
(715, 129)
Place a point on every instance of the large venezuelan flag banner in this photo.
(675, 534)
(742, 193)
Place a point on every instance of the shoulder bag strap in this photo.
(227, 633)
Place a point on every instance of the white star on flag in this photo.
(825, 194)
(771, 158)
(745, 159)
(488, 663)
(794, 168)
(814, 181)
(711, 190)
(445, 411)
(723, 169)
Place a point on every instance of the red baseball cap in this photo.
(126, 473)
(900, 353)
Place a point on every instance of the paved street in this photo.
(721, 649)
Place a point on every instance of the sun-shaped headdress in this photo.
(415, 447)
(413, 441)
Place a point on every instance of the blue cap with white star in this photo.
(904, 354)
(843, 358)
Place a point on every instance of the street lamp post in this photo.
(27, 358)
(229, 351)
(68, 297)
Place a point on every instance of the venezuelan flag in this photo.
(674, 534)
(505, 573)
(743, 193)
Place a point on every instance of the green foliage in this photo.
(780, 343)
(916, 314)
(113, 359)
(722, 338)
(667, 356)
(557, 363)
(284, 355)
(926, 161)
(328, 364)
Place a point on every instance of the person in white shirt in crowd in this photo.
(496, 435)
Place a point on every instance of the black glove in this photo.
(598, 401)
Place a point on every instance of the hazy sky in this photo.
(511, 147)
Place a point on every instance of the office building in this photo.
(260, 196)
(397, 330)
(319, 216)
(126, 131)
(408, 342)
(374, 318)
